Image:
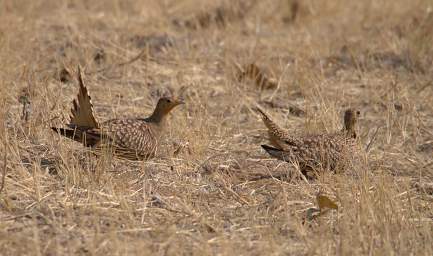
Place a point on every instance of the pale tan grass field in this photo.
(202, 194)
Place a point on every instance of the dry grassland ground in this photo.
(203, 194)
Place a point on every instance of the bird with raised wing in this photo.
(131, 138)
(326, 151)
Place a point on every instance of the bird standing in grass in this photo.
(131, 138)
(326, 151)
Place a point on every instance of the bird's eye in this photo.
(168, 100)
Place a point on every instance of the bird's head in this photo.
(166, 104)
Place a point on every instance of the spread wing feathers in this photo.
(277, 136)
(82, 111)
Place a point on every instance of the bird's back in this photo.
(327, 151)
(131, 136)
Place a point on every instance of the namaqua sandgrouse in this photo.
(131, 138)
(326, 151)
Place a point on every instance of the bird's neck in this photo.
(351, 134)
(158, 116)
(349, 130)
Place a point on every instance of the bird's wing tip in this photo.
(260, 110)
(266, 147)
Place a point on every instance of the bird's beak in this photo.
(179, 102)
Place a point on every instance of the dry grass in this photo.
(373, 55)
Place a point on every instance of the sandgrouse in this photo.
(329, 151)
(131, 138)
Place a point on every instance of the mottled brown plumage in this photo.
(329, 151)
(278, 137)
(132, 138)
